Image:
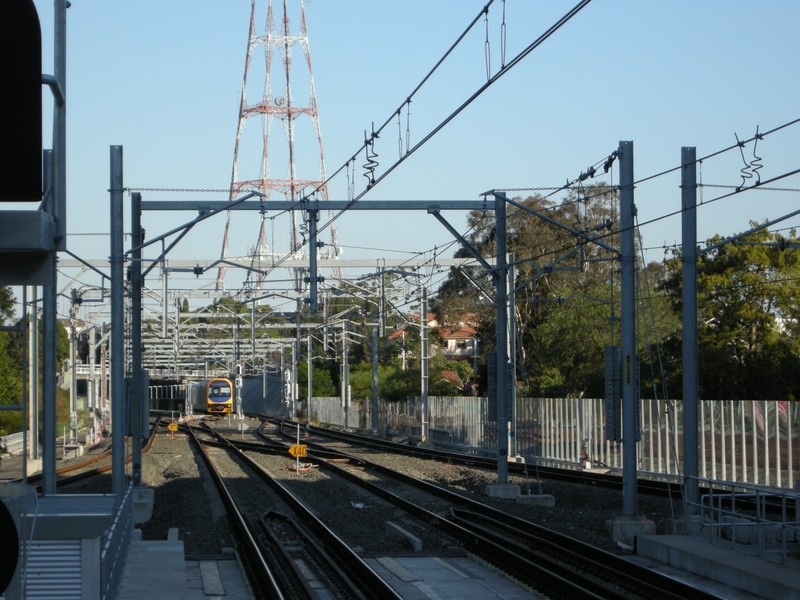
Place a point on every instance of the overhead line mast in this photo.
(283, 107)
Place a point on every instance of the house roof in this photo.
(79, 323)
(416, 316)
(457, 333)
(398, 333)
(453, 378)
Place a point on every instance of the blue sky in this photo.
(163, 79)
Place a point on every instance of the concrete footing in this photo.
(684, 527)
(741, 570)
(395, 530)
(73, 451)
(502, 490)
(537, 500)
(624, 529)
(143, 499)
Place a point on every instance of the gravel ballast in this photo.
(185, 498)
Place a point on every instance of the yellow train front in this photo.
(219, 395)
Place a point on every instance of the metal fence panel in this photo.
(741, 440)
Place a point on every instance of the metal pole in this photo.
(630, 393)
(283, 380)
(375, 378)
(382, 307)
(25, 374)
(310, 379)
(73, 383)
(424, 362)
(689, 298)
(49, 368)
(117, 328)
(253, 334)
(164, 304)
(345, 373)
(298, 354)
(104, 409)
(501, 305)
(59, 200)
(293, 375)
(137, 395)
(34, 376)
(512, 353)
(91, 396)
(313, 215)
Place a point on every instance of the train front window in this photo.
(222, 391)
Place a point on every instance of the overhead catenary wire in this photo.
(530, 48)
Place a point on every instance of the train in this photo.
(215, 396)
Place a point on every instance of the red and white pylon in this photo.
(283, 107)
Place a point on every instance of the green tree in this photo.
(10, 375)
(361, 379)
(566, 288)
(322, 382)
(748, 302)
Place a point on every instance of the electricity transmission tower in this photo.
(277, 156)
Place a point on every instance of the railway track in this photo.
(650, 487)
(576, 476)
(83, 469)
(549, 563)
(290, 552)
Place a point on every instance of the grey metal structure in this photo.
(33, 372)
(117, 258)
(423, 359)
(512, 354)
(137, 376)
(630, 390)
(689, 316)
(500, 278)
(374, 379)
(49, 368)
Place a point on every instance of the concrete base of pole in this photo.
(537, 500)
(503, 490)
(426, 445)
(34, 465)
(681, 527)
(625, 529)
(73, 451)
(143, 499)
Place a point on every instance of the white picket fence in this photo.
(743, 441)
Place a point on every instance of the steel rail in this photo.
(631, 577)
(261, 575)
(37, 477)
(646, 486)
(362, 580)
(626, 573)
(651, 487)
(308, 551)
(534, 575)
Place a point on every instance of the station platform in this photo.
(159, 570)
(743, 575)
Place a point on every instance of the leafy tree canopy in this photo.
(748, 302)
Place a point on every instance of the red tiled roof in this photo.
(396, 334)
(453, 378)
(457, 333)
